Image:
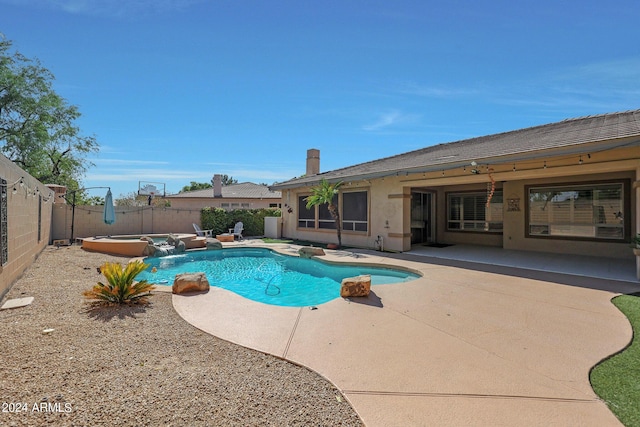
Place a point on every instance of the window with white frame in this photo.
(591, 211)
(475, 212)
(355, 211)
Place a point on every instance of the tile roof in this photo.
(243, 190)
(566, 136)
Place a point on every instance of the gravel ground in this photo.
(139, 365)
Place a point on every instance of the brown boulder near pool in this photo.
(358, 286)
(190, 282)
(308, 252)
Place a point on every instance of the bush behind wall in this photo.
(220, 220)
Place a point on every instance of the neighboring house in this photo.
(566, 187)
(245, 195)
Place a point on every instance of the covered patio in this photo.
(530, 262)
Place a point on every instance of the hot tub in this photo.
(131, 245)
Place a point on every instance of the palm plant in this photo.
(121, 287)
(324, 194)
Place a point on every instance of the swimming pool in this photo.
(266, 276)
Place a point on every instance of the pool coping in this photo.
(456, 346)
(288, 251)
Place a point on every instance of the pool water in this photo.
(157, 240)
(266, 276)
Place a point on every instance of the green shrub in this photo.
(220, 220)
(214, 219)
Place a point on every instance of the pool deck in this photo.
(470, 343)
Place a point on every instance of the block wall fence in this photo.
(27, 209)
(34, 215)
(88, 222)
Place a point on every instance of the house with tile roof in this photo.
(566, 187)
(244, 195)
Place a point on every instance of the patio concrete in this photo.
(467, 344)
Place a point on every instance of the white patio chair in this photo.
(202, 233)
(237, 230)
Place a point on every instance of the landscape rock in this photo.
(358, 286)
(190, 282)
(213, 243)
(150, 250)
(173, 240)
(308, 252)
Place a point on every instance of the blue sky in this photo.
(177, 90)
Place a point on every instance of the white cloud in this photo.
(391, 119)
(384, 120)
(113, 8)
(116, 162)
(141, 174)
(185, 176)
(597, 87)
(618, 72)
(416, 89)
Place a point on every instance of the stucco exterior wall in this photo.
(28, 222)
(390, 203)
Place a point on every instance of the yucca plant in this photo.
(121, 287)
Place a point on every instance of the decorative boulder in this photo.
(308, 252)
(190, 282)
(178, 244)
(149, 250)
(213, 243)
(358, 286)
(147, 239)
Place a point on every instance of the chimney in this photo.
(217, 185)
(313, 161)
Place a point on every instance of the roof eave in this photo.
(577, 149)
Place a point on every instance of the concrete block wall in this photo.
(88, 221)
(29, 211)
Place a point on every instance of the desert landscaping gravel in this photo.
(66, 363)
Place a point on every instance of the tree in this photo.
(37, 126)
(94, 201)
(133, 199)
(195, 186)
(326, 194)
(228, 180)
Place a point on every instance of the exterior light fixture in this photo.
(475, 170)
